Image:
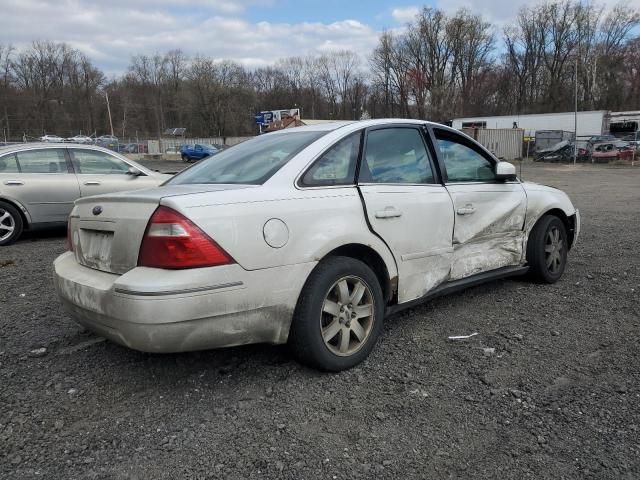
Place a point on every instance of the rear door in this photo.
(41, 180)
(489, 214)
(100, 172)
(407, 207)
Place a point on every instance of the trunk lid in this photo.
(107, 230)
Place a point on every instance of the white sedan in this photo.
(310, 236)
(80, 139)
(51, 139)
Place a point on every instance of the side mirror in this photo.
(505, 171)
(134, 172)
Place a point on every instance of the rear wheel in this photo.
(10, 224)
(547, 249)
(339, 315)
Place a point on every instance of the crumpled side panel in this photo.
(487, 254)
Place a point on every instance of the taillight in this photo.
(175, 242)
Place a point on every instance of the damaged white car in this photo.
(310, 236)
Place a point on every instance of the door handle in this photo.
(468, 209)
(92, 183)
(14, 182)
(388, 212)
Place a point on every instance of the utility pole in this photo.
(106, 95)
(575, 118)
(7, 132)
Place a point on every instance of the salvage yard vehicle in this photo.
(80, 139)
(189, 153)
(309, 236)
(40, 182)
(607, 152)
(51, 139)
(561, 151)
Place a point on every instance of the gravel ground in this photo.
(557, 398)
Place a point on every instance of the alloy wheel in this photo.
(7, 224)
(553, 249)
(347, 316)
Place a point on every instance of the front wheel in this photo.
(339, 315)
(185, 159)
(547, 249)
(10, 224)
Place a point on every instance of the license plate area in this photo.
(96, 248)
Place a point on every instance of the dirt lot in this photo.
(558, 398)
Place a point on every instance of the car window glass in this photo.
(49, 160)
(95, 162)
(250, 162)
(9, 164)
(396, 155)
(463, 163)
(337, 166)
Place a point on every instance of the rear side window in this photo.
(337, 166)
(9, 164)
(396, 155)
(97, 163)
(49, 160)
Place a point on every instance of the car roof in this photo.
(330, 126)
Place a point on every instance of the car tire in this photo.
(547, 250)
(339, 315)
(10, 224)
(185, 159)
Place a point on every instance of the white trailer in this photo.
(589, 123)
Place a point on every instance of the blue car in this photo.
(190, 153)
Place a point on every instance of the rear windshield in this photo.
(252, 162)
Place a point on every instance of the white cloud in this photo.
(502, 12)
(405, 14)
(111, 33)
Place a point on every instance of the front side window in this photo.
(337, 166)
(463, 163)
(97, 163)
(251, 163)
(9, 164)
(396, 155)
(48, 160)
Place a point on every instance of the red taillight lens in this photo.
(173, 241)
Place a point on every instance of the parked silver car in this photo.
(40, 182)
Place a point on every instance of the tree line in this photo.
(438, 66)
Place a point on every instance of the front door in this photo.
(489, 214)
(406, 207)
(40, 179)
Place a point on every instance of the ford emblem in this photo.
(97, 210)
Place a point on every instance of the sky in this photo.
(252, 32)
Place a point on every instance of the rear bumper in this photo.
(156, 310)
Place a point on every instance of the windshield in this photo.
(252, 162)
